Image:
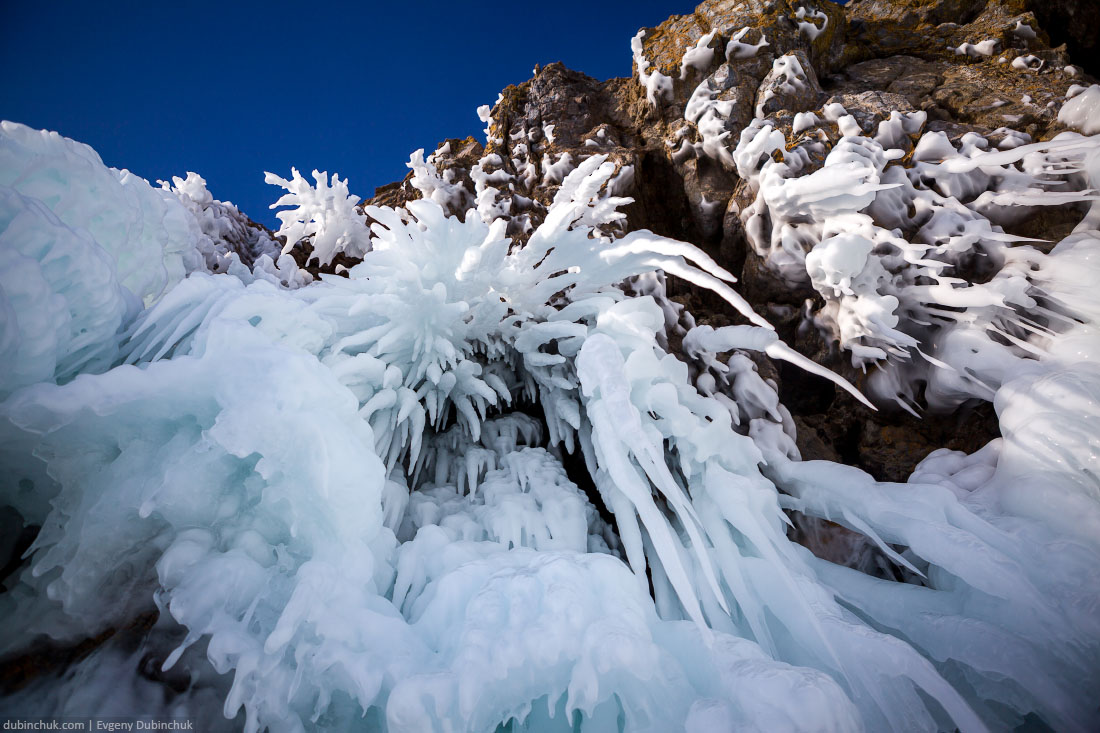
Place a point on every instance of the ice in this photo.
(990, 496)
(61, 302)
(834, 111)
(324, 214)
(436, 187)
(147, 232)
(1027, 61)
(1023, 30)
(232, 243)
(893, 132)
(84, 247)
(737, 49)
(803, 121)
(807, 23)
(710, 117)
(207, 526)
(698, 57)
(854, 258)
(658, 87)
(985, 48)
(753, 338)
(787, 77)
(487, 480)
(1082, 111)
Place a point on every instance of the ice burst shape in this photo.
(458, 318)
(325, 214)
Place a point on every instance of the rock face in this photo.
(1000, 68)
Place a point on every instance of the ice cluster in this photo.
(483, 483)
(233, 243)
(888, 246)
(324, 214)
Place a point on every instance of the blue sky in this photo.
(233, 89)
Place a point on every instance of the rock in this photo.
(909, 76)
(1074, 23)
(455, 155)
(791, 86)
(871, 107)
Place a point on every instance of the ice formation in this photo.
(494, 481)
(657, 85)
(437, 187)
(988, 47)
(807, 22)
(1083, 111)
(738, 49)
(147, 234)
(324, 214)
(232, 243)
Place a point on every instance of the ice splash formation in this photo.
(494, 478)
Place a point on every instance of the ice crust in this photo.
(881, 244)
(471, 485)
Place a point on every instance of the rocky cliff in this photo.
(998, 68)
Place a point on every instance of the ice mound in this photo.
(480, 482)
(1083, 111)
(235, 549)
(84, 247)
(62, 304)
(150, 237)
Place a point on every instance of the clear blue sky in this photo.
(232, 89)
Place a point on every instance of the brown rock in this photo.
(791, 86)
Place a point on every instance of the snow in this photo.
(472, 484)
